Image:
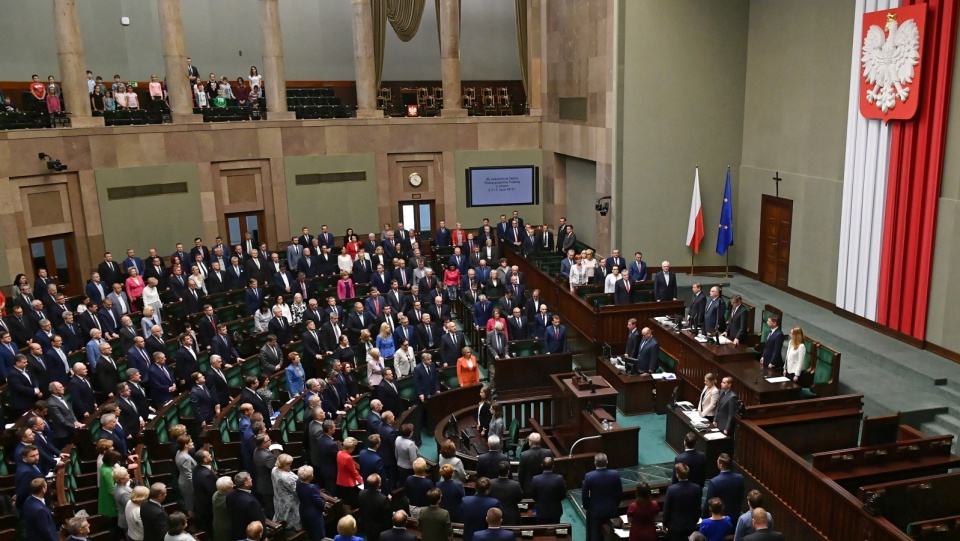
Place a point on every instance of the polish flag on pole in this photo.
(695, 226)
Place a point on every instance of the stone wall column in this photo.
(535, 48)
(274, 79)
(366, 71)
(450, 58)
(175, 62)
(73, 67)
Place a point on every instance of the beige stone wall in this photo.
(577, 49)
(255, 153)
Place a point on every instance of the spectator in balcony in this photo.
(133, 102)
(219, 100)
(8, 106)
(199, 95)
(90, 82)
(109, 102)
(226, 88)
(117, 85)
(56, 90)
(256, 80)
(242, 93)
(97, 101)
(255, 94)
(120, 95)
(53, 98)
(39, 92)
(156, 89)
(101, 86)
(211, 85)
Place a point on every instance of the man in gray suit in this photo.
(63, 423)
(570, 239)
(263, 461)
(726, 407)
(497, 348)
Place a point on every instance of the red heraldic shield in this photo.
(891, 59)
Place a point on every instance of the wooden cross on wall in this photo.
(777, 179)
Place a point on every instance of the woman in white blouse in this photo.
(796, 355)
(139, 495)
(197, 278)
(151, 297)
(285, 309)
(578, 273)
(590, 264)
(344, 261)
(255, 78)
(610, 282)
(403, 359)
(709, 397)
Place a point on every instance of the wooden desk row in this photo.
(695, 360)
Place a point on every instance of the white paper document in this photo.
(714, 436)
(778, 379)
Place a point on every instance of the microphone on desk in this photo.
(756, 381)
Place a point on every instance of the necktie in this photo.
(626, 284)
(403, 277)
(377, 307)
(194, 291)
(556, 331)
(429, 336)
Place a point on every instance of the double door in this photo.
(57, 254)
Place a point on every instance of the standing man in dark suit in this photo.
(737, 324)
(601, 496)
(488, 464)
(681, 508)
(243, 504)
(508, 492)
(374, 508)
(694, 460)
(249, 395)
(153, 515)
(632, 348)
(40, 525)
(698, 304)
(161, 383)
(548, 491)
(388, 444)
(713, 315)
(727, 406)
(648, 355)
(217, 279)
(387, 393)
(451, 345)
(555, 338)
(442, 237)
(727, 486)
(109, 270)
(665, 284)
(236, 274)
(622, 290)
(280, 327)
(305, 239)
(204, 487)
(205, 404)
(473, 509)
(426, 380)
(772, 356)
(517, 326)
(81, 392)
(531, 463)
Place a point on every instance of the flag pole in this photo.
(726, 270)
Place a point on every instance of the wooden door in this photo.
(241, 223)
(776, 217)
(419, 216)
(57, 254)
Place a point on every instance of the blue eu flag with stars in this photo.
(725, 237)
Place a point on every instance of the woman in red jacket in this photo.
(348, 478)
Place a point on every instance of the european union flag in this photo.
(725, 237)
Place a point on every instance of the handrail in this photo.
(585, 438)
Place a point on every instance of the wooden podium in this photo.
(574, 420)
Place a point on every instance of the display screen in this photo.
(502, 186)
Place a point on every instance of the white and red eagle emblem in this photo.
(891, 62)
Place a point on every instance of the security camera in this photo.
(603, 207)
(52, 164)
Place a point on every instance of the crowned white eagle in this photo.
(888, 61)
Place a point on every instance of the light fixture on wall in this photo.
(52, 163)
(603, 208)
